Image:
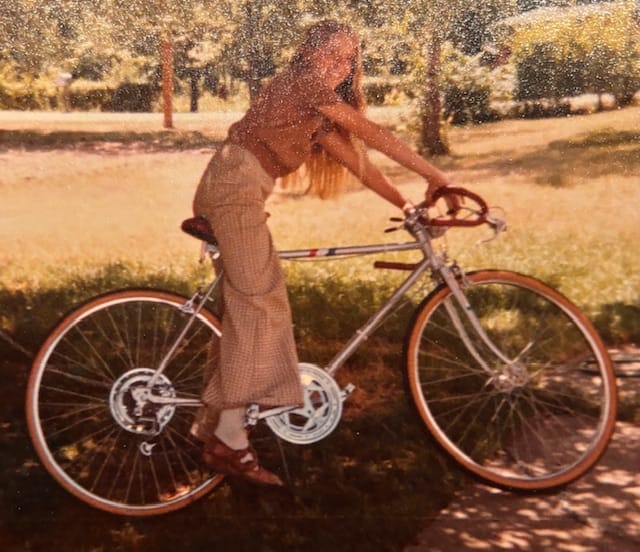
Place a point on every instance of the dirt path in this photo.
(598, 512)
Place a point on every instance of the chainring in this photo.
(320, 413)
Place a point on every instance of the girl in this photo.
(310, 114)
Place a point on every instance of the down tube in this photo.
(365, 331)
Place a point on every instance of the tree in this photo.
(200, 45)
(29, 32)
(432, 22)
(470, 28)
(423, 17)
(561, 53)
(265, 29)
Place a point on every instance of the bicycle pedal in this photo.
(346, 391)
(252, 416)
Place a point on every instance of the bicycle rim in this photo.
(82, 416)
(534, 416)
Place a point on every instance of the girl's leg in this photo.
(231, 430)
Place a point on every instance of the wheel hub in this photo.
(130, 405)
(510, 377)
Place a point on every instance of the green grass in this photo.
(80, 219)
(568, 189)
(370, 486)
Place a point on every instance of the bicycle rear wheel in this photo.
(536, 418)
(85, 424)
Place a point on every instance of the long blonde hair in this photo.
(321, 175)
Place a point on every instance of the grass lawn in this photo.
(89, 202)
(569, 189)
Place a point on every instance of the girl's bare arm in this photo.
(385, 142)
(356, 160)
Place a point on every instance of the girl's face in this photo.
(333, 62)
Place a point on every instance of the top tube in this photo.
(348, 250)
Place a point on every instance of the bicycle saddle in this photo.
(199, 227)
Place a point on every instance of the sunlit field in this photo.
(568, 189)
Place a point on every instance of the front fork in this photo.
(456, 281)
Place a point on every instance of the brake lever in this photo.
(497, 224)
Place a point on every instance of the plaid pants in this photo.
(255, 361)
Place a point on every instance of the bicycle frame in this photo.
(513, 404)
(435, 263)
(198, 300)
(363, 333)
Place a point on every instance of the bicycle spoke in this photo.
(195, 355)
(525, 418)
(49, 421)
(79, 357)
(118, 342)
(105, 462)
(90, 431)
(103, 384)
(181, 457)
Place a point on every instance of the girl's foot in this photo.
(241, 463)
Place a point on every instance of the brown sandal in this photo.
(241, 463)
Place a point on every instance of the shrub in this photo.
(86, 95)
(23, 91)
(593, 49)
(466, 87)
(133, 97)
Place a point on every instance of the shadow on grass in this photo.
(27, 315)
(31, 140)
(591, 155)
(371, 485)
(619, 323)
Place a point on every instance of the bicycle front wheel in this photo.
(531, 405)
(85, 417)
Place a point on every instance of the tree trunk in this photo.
(194, 78)
(167, 78)
(253, 57)
(431, 140)
(253, 80)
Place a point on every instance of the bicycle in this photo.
(507, 375)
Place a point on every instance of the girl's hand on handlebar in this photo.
(474, 214)
(453, 201)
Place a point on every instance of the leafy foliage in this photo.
(466, 88)
(223, 48)
(582, 51)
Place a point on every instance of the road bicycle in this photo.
(508, 376)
